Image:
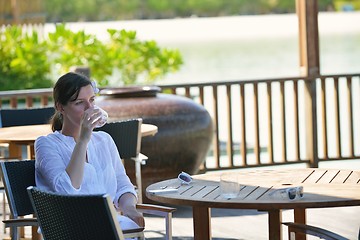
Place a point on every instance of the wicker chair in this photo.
(25, 116)
(17, 176)
(77, 217)
(127, 137)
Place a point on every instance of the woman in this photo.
(75, 160)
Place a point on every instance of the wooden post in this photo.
(15, 12)
(307, 12)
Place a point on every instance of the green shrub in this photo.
(28, 62)
(24, 63)
(70, 48)
(140, 61)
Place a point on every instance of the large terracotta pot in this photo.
(184, 130)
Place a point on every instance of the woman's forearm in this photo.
(127, 204)
(75, 169)
(127, 201)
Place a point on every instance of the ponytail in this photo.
(56, 122)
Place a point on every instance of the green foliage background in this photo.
(24, 62)
(30, 61)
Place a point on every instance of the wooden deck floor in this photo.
(249, 224)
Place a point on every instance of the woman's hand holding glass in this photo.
(96, 116)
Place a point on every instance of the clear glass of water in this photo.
(229, 185)
(102, 120)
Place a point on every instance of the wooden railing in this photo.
(262, 122)
(27, 97)
(22, 12)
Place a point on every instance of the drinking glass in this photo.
(102, 119)
(229, 185)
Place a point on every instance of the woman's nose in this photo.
(89, 105)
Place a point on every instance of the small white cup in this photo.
(229, 185)
(103, 118)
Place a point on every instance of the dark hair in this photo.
(66, 90)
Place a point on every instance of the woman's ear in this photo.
(59, 107)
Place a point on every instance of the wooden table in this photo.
(26, 135)
(322, 188)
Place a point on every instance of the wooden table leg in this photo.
(34, 233)
(30, 151)
(274, 224)
(202, 223)
(300, 217)
(15, 151)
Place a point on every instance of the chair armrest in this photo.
(154, 209)
(141, 158)
(314, 231)
(133, 230)
(20, 222)
(162, 211)
(134, 233)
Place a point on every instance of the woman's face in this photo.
(74, 110)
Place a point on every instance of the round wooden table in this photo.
(322, 188)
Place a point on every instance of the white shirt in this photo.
(104, 172)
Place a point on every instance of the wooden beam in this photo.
(307, 12)
(15, 12)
